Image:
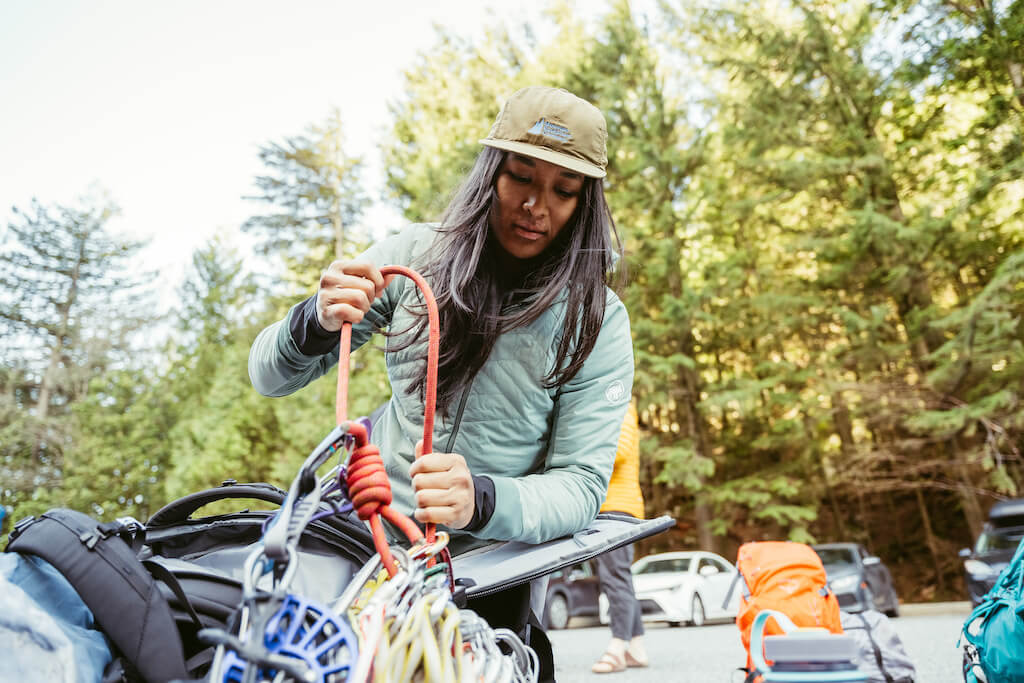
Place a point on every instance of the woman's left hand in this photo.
(444, 488)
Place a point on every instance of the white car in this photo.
(683, 587)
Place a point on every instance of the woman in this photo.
(536, 361)
(625, 498)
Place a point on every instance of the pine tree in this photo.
(881, 216)
(67, 311)
(315, 190)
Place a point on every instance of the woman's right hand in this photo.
(347, 288)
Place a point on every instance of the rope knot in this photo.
(368, 483)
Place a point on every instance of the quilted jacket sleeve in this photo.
(278, 367)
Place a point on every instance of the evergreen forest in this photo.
(822, 209)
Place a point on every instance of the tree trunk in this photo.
(1017, 78)
(687, 399)
(656, 499)
(49, 382)
(929, 537)
(840, 526)
(917, 296)
(702, 515)
(690, 383)
(339, 233)
(972, 508)
(865, 520)
(843, 422)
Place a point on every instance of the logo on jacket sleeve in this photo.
(615, 392)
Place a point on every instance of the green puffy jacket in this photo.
(550, 456)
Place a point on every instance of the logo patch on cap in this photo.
(550, 130)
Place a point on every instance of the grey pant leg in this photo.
(617, 584)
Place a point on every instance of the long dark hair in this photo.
(478, 300)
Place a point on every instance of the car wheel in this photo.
(697, 611)
(557, 612)
(894, 610)
(675, 624)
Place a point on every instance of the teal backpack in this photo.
(993, 635)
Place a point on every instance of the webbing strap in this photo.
(732, 587)
(164, 574)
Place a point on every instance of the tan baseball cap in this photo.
(552, 124)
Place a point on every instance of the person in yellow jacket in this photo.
(624, 497)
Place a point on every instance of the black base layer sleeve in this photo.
(483, 503)
(307, 333)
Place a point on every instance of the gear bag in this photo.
(786, 577)
(993, 634)
(152, 588)
(880, 651)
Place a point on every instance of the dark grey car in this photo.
(859, 579)
(994, 548)
(572, 592)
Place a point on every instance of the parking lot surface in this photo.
(713, 653)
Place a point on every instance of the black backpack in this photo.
(152, 587)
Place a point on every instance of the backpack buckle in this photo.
(129, 525)
(21, 525)
(90, 538)
(129, 529)
(132, 532)
(459, 596)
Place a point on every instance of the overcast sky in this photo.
(164, 105)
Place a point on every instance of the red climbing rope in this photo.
(368, 483)
(370, 491)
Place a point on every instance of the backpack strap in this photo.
(751, 675)
(109, 578)
(738, 579)
(164, 574)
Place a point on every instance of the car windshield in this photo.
(836, 557)
(1008, 520)
(999, 539)
(676, 564)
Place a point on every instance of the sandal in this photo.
(609, 663)
(632, 661)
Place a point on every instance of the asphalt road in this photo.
(711, 654)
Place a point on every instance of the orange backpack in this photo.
(787, 577)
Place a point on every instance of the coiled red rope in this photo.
(367, 480)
